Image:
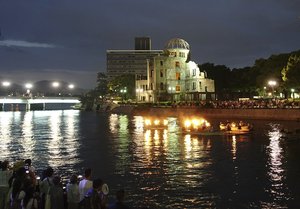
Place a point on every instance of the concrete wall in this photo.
(266, 114)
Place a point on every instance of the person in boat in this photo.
(240, 124)
(203, 126)
(222, 126)
(228, 127)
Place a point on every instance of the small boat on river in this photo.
(291, 135)
(236, 127)
(200, 126)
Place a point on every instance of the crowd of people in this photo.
(21, 188)
(242, 104)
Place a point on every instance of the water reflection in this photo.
(47, 137)
(160, 168)
(163, 160)
(276, 170)
(113, 123)
(118, 125)
(28, 136)
(5, 133)
(55, 142)
(233, 150)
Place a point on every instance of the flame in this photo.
(148, 122)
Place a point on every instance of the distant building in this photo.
(171, 76)
(119, 62)
(142, 43)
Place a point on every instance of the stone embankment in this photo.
(263, 114)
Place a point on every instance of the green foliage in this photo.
(291, 72)
(88, 100)
(266, 69)
(122, 82)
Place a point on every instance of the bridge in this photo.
(37, 103)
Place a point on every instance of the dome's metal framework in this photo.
(177, 43)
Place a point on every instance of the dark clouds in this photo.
(68, 39)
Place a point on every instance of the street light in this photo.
(55, 84)
(264, 91)
(123, 92)
(71, 86)
(293, 93)
(5, 83)
(28, 86)
(272, 84)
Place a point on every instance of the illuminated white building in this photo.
(172, 76)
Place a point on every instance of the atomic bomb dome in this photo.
(177, 43)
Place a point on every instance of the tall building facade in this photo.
(120, 62)
(172, 76)
(142, 43)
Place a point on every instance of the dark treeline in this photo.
(250, 81)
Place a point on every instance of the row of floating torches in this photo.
(188, 123)
(196, 124)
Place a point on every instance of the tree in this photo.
(219, 73)
(265, 69)
(89, 99)
(291, 72)
(102, 85)
(126, 81)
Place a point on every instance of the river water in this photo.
(161, 168)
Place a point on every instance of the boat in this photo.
(236, 128)
(291, 135)
(216, 133)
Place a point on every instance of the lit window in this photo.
(181, 54)
(177, 64)
(177, 76)
(173, 54)
(177, 88)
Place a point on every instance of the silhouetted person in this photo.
(95, 199)
(5, 175)
(119, 204)
(56, 194)
(73, 196)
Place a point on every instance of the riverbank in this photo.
(261, 114)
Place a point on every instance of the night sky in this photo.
(67, 39)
